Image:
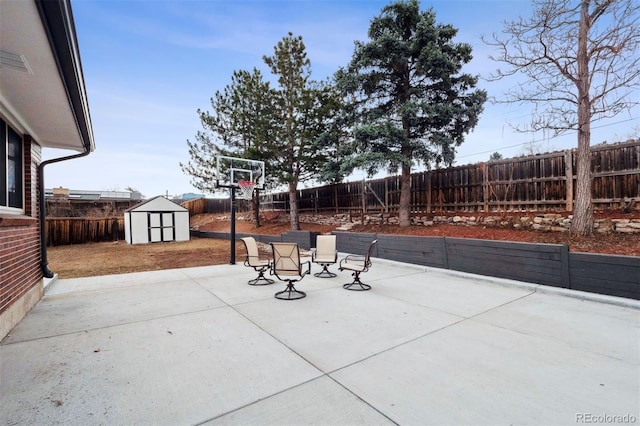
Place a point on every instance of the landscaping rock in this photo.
(553, 222)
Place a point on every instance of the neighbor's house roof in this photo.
(88, 195)
(42, 90)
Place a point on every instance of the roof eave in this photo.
(58, 23)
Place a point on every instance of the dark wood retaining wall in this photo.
(535, 263)
(547, 264)
(416, 250)
(598, 273)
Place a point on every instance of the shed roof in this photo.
(157, 204)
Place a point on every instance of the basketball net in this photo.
(246, 189)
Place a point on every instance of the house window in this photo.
(11, 167)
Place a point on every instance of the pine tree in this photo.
(409, 101)
(303, 111)
(290, 126)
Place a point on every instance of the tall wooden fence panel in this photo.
(197, 206)
(537, 182)
(72, 230)
(616, 173)
(213, 205)
(349, 196)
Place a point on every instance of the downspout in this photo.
(44, 262)
(57, 20)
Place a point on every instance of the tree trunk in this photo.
(582, 223)
(404, 209)
(293, 206)
(255, 205)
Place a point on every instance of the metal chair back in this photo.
(253, 261)
(253, 257)
(325, 249)
(325, 254)
(357, 265)
(367, 260)
(288, 267)
(286, 259)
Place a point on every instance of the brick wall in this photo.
(20, 273)
(19, 263)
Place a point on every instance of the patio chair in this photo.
(357, 264)
(325, 254)
(253, 261)
(288, 267)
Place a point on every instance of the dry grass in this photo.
(94, 259)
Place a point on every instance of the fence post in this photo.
(428, 203)
(485, 186)
(364, 200)
(315, 204)
(568, 175)
(386, 197)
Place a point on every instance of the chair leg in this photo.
(261, 279)
(356, 282)
(325, 273)
(290, 293)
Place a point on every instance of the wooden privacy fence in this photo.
(197, 206)
(208, 205)
(71, 230)
(537, 182)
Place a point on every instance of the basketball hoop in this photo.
(246, 189)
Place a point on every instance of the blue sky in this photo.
(149, 65)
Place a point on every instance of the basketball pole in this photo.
(232, 261)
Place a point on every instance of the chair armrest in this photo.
(353, 258)
(308, 267)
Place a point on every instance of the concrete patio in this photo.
(424, 346)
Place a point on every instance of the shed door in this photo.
(161, 226)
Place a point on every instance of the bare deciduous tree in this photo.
(582, 62)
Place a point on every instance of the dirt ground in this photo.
(114, 258)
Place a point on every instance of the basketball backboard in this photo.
(231, 170)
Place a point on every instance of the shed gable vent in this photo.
(14, 61)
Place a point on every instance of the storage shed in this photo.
(156, 220)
